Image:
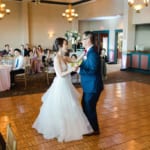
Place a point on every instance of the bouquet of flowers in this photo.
(72, 36)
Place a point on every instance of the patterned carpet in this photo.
(125, 76)
(37, 83)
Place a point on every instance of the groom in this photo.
(91, 80)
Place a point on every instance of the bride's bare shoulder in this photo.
(56, 59)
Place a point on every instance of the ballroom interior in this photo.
(120, 27)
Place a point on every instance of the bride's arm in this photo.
(59, 69)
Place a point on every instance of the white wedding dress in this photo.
(61, 115)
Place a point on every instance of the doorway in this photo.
(118, 45)
(102, 40)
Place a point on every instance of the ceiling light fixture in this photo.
(138, 4)
(70, 13)
(3, 10)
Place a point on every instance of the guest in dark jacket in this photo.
(6, 50)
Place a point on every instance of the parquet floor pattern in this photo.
(123, 114)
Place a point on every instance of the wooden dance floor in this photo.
(123, 114)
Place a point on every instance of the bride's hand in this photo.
(75, 68)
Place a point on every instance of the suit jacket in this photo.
(90, 72)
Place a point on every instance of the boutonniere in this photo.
(85, 57)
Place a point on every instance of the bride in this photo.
(61, 115)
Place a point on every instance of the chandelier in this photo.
(138, 4)
(70, 13)
(3, 10)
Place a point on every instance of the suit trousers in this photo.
(89, 101)
(14, 72)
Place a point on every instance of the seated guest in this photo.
(74, 74)
(47, 59)
(18, 67)
(11, 52)
(36, 60)
(6, 50)
(27, 50)
(74, 57)
(23, 50)
(104, 60)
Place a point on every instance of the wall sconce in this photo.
(50, 34)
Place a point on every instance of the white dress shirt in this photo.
(89, 48)
(20, 64)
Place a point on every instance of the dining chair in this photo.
(50, 74)
(24, 76)
(11, 143)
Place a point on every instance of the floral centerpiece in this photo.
(72, 36)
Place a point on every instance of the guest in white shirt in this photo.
(18, 67)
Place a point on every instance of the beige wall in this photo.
(110, 24)
(142, 38)
(49, 20)
(100, 8)
(10, 26)
(131, 18)
(114, 7)
(142, 17)
(30, 23)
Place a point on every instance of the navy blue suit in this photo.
(92, 84)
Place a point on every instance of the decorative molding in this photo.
(63, 3)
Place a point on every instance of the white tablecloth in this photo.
(5, 77)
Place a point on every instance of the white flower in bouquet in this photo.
(72, 36)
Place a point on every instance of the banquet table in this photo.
(5, 77)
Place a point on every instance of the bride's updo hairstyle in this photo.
(59, 43)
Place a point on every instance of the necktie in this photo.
(17, 63)
(85, 54)
(85, 51)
